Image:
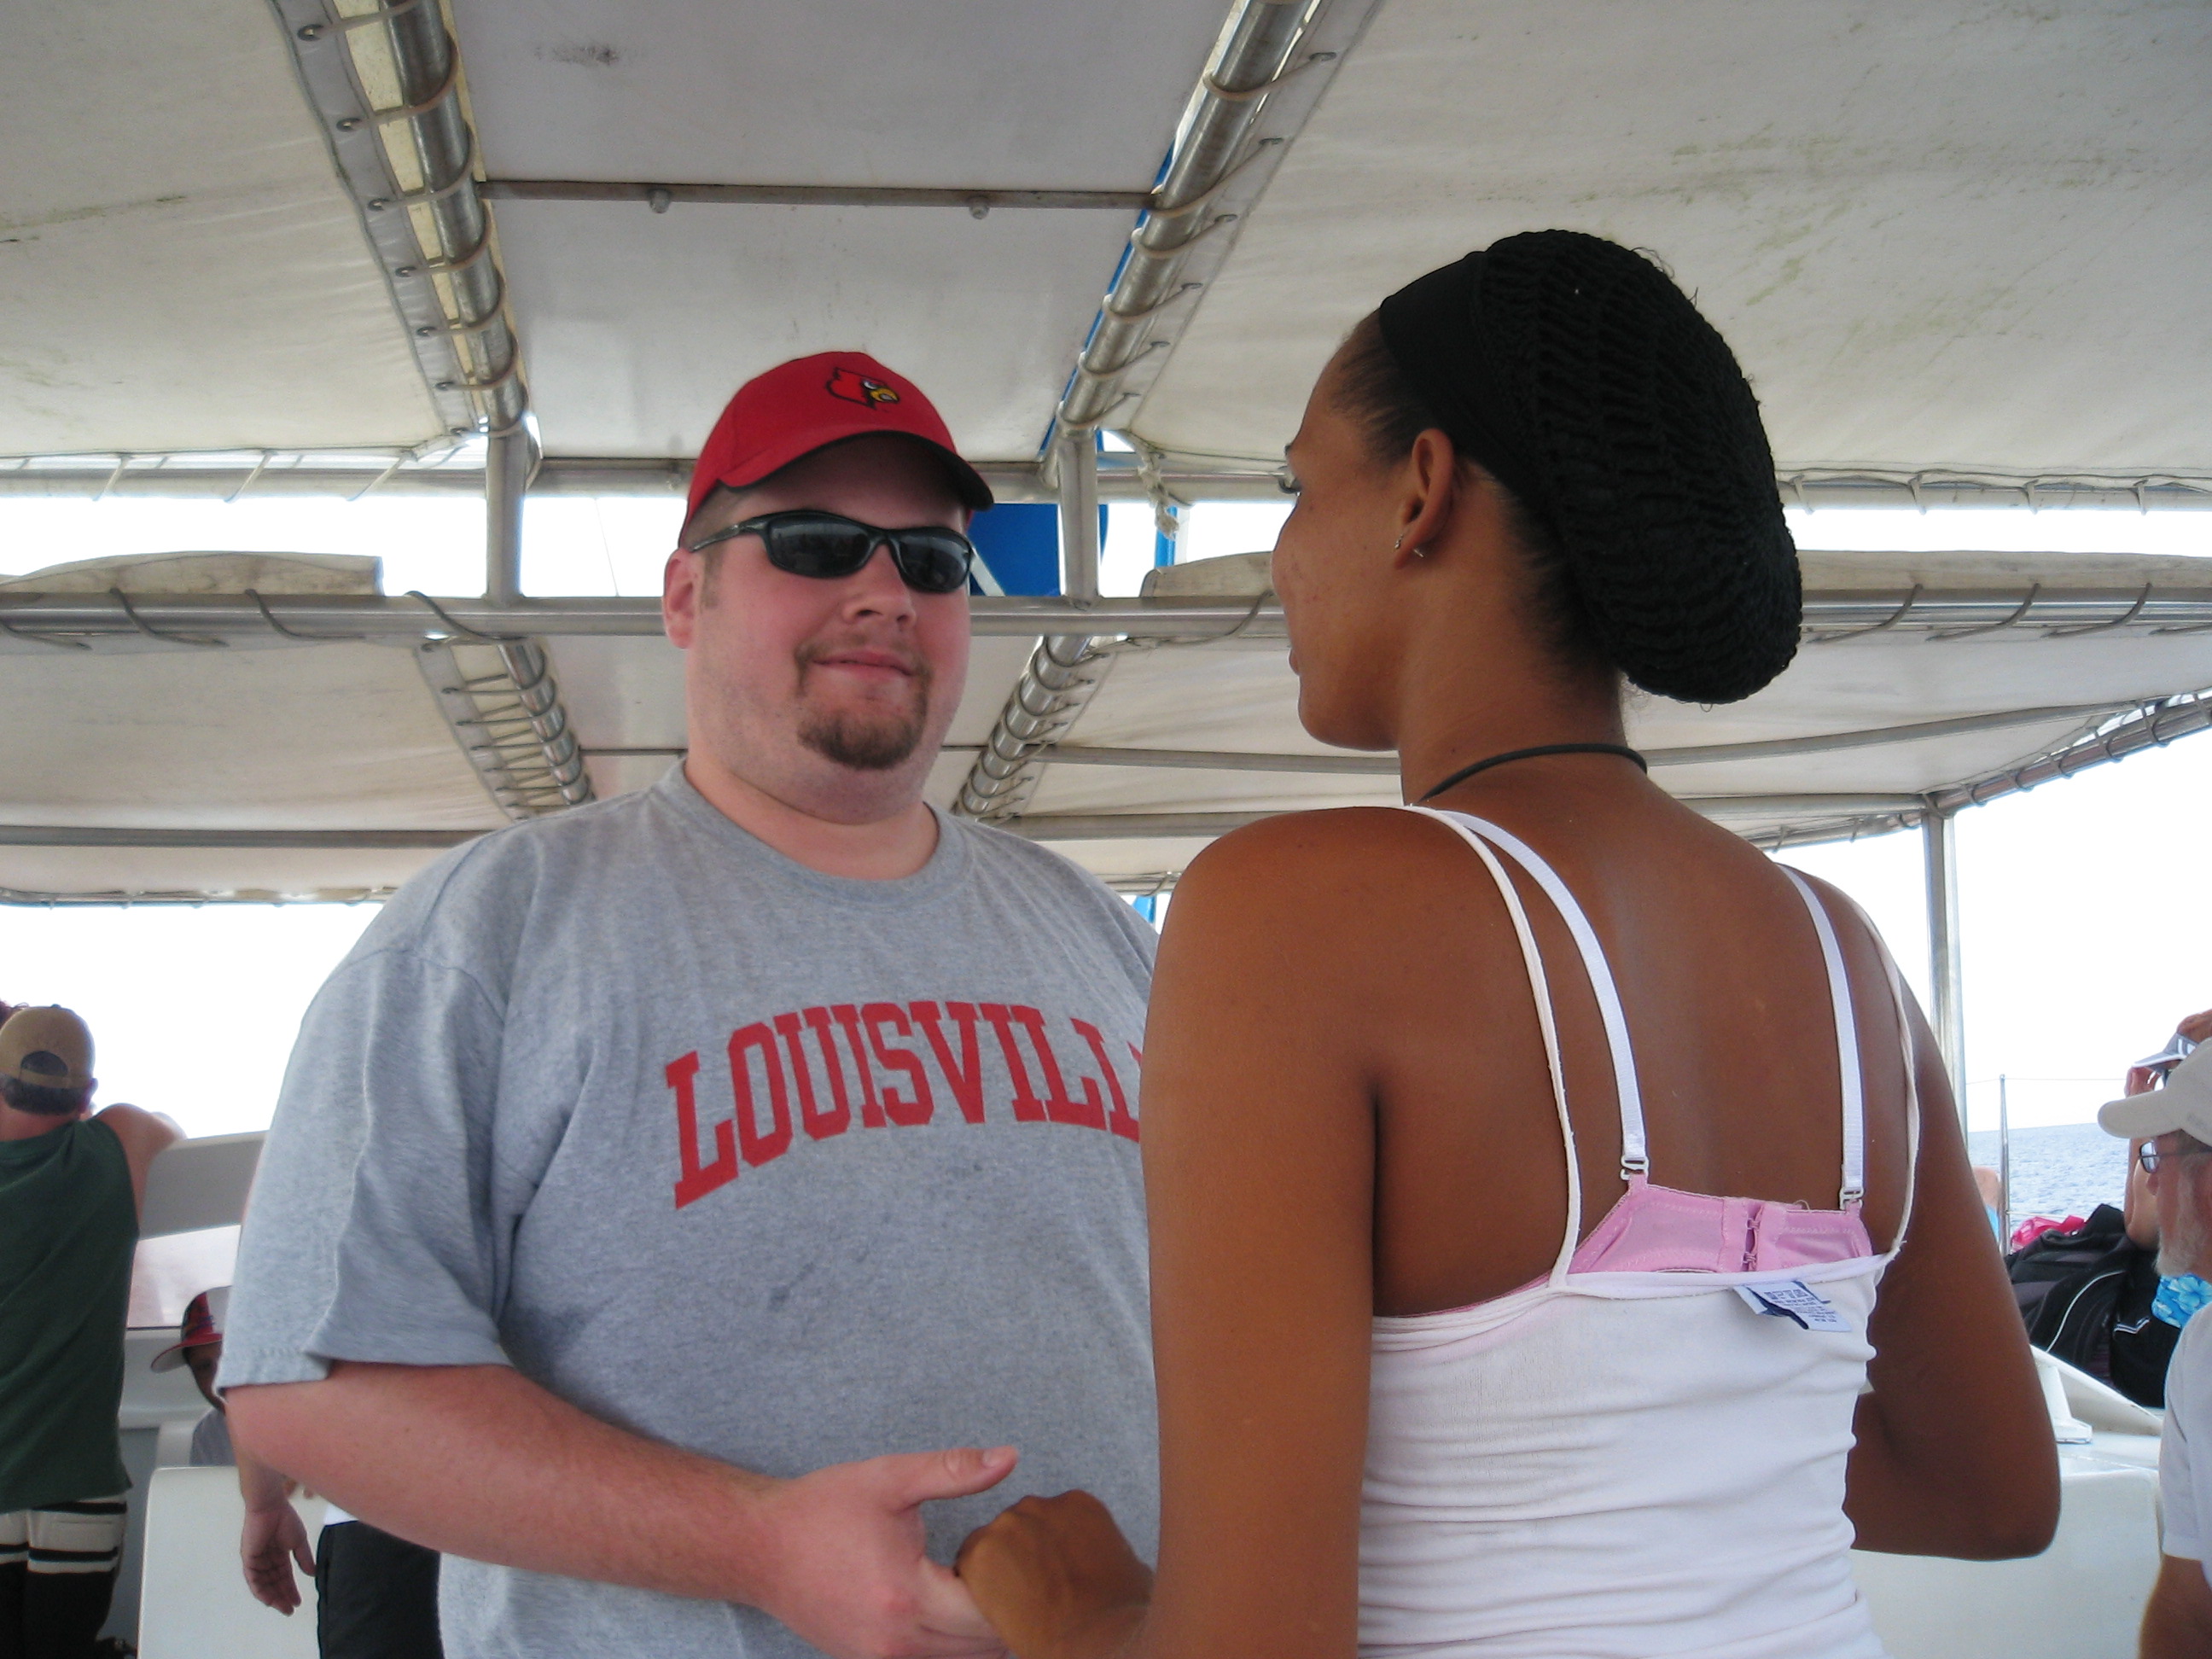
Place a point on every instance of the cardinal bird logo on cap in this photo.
(857, 388)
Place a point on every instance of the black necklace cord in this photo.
(1467, 772)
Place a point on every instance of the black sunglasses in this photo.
(808, 542)
(2154, 1160)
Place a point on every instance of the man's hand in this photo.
(2197, 1028)
(847, 1570)
(272, 1540)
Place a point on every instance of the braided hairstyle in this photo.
(1629, 445)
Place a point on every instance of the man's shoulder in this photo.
(1004, 859)
(1006, 855)
(468, 909)
(2189, 1373)
(509, 862)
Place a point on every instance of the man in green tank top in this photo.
(70, 1189)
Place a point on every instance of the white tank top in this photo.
(1627, 1458)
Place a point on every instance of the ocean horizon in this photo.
(2058, 1169)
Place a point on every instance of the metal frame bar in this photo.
(508, 722)
(1061, 675)
(1221, 760)
(1078, 478)
(118, 900)
(90, 616)
(1120, 479)
(31, 835)
(1945, 969)
(2156, 725)
(432, 237)
(978, 200)
(509, 457)
(1187, 826)
(1222, 159)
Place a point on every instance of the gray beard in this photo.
(2180, 1253)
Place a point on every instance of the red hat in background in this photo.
(798, 407)
(204, 1320)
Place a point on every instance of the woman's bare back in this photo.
(1728, 1012)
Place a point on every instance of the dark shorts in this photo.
(376, 1596)
(58, 1576)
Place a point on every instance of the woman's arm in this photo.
(1259, 1170)
(1955, 1454)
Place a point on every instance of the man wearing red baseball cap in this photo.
(670, 1199)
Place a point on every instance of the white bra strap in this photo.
(1635, 1160)
(1539, 987)
(1847, 1043)
(1905, 1045)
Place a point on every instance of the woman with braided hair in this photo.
(1562, 1238)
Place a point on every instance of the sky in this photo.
(2086, 911)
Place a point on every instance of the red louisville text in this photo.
(820, 1072)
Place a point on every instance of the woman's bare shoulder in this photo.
(1320, 879)
(1321, 858)
(1302, 848)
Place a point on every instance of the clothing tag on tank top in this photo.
(1789, 1299)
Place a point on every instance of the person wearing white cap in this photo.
(70, 1185)
(2174, 1124)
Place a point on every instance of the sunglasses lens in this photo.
(821, 544)
(934, 561)
(821, 547)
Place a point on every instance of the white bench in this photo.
(193, 1602)
(2081, 1598)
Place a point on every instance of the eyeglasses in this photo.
(2150, 1158)
(808, 542)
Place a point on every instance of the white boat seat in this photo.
(2081, 1598)
(193, 1600)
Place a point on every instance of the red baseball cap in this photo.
(798, 407)
(203, 1321)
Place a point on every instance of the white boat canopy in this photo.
(277, 246)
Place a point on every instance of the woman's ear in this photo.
(1431, 474)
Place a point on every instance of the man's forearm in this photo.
(262, 1488)
(477, 1460)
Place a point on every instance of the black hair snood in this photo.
(1576, 373)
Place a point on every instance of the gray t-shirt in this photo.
(786, 1169)
(211, 1441)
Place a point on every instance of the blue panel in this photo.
(1020, 542)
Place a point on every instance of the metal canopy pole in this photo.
(1939, 840)
(1251, 61)
(507, 460)
(1079, 516)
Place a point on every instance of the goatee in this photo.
(865, 743)
(867, 740)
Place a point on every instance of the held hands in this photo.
(1056, 1577)
(849, 1574)
(273, 1539)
